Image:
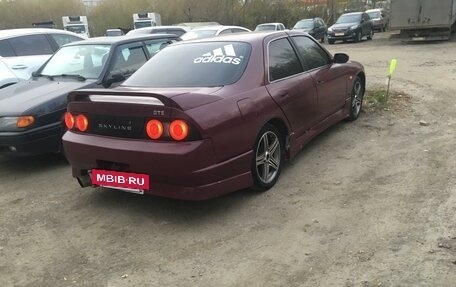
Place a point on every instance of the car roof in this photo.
(374, 10)
(149, 29)
(9, 33)
(217, 27)
(251, 37)
(353, 13)
(309, 19)
(269, 24)
(122, 39)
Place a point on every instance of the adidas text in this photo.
(218, 59)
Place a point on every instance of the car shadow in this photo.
(32, 164)
(169, 210)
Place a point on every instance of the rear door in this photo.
(31, 52)
(290, 86)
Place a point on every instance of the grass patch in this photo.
(375, 99)
(398, 102)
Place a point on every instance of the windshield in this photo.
(304, 24)
(265, 28)
(84, 60)
(348, 19)
(194, 65)
(198, 34)
(79, 29)
(374, 15)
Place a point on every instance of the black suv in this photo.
(351, 26)
(316, 27)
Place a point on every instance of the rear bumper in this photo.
(176, 170)
(40, 140)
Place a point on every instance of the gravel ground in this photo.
(367, 203)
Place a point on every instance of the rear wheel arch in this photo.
(283, 129)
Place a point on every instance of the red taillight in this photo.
(178, 130)
(69, 120)
(154, 129)
(82, 123)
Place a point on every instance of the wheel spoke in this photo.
(273, 163)
(272, 149)
(265, 141)
(265, 172)
(260, 159)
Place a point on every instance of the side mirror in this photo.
(113, 78)
(340, 58)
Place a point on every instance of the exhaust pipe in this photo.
(84, 181)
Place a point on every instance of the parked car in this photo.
(114, 32)
(351, 26)
(270, 27)
(25, 50)
(210, 31)
(207, 117)
(176, 30)
(380, 20)
(316, 27)
(31, 111)
(7, 77)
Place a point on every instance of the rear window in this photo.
(194, 65)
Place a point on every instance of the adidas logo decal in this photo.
(225, 55)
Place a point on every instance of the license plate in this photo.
(339, 34)
(127, 181)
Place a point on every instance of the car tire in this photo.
(357, 95)
(330, 42)
(371, 35)
(267, 158)
(358, 37)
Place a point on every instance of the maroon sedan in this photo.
(208, 117)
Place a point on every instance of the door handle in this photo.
(320, 82)
(19, 67)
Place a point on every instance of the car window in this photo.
(349, 18)
(283, 61)
(304, 24)
(226, 31)
(204, 64)
(62, 39)
(237, 30)
(31, 45)
(313, 55)
(5, 49)
(154, 46)
(128, 59)
(84, 60)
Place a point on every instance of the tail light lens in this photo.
(82, 123)
(178, 130)
(25, 121)
(69, 120)
(154, 129)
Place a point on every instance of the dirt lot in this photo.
(368, 203)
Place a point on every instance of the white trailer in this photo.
(141, 20)
(423, 20)
(76, 24)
